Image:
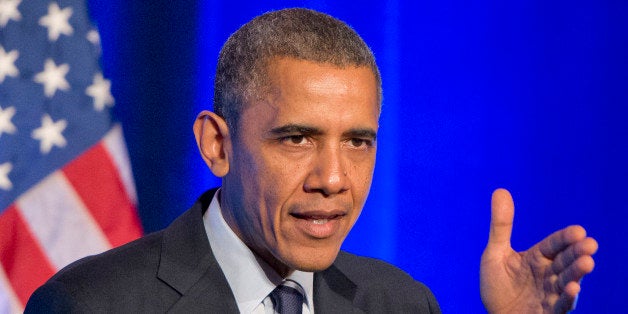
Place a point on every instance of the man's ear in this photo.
(212, 138)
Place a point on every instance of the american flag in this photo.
(66, 188)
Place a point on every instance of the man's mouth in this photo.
(318, 219)
(319, 225)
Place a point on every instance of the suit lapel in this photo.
(207, 295)
(188, 265)
(334, 292)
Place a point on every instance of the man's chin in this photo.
(313, 262)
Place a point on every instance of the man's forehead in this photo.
(274, 62)
(279, 69)
(270, 66)
(315, 94)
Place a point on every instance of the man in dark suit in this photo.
(293, 137)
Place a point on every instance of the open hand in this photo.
(543, 279)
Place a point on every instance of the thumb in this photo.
(502, 215)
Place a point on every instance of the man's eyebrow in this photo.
(361, 133)
(295, 129)
(310, 130)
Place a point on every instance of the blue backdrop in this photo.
(527, 95)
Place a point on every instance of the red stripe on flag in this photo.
(96, 180)
(22, 258)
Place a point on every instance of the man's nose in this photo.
(329, 173)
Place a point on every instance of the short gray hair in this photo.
(297, 33)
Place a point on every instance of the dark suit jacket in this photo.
(174, 270)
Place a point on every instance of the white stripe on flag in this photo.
(60, 222)
(114, 143)
(8, 300)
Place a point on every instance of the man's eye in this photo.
(294, 139)
(359, 142)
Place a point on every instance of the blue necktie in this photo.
(287, 300)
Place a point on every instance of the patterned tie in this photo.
(287, 300)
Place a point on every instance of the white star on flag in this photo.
(100, 91)
(53, 77)
(6, 126)
(93, 37)
(5, 183)
(8, 11)
(57, 21)
(49, 134)
(7, 63)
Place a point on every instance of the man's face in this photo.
(302, 163)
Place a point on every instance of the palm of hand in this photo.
(512, 280)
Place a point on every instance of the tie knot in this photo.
(287, 298)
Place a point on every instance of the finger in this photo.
(567, 300)
(588, 246)
(502, 215)
(560, 240)
(580, 267)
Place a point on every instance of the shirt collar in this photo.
(250, 278)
